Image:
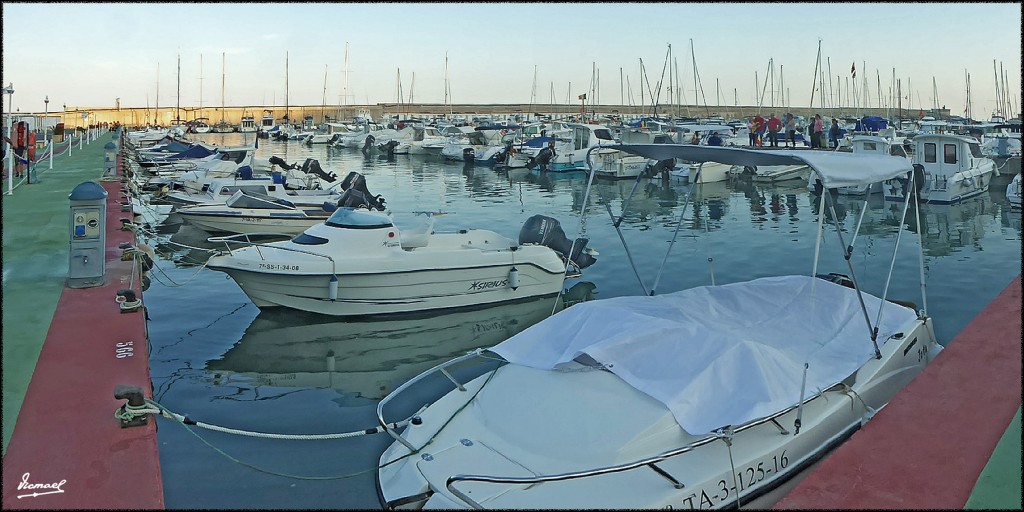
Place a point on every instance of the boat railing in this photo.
(441, 368)
(724, 433)
(245, 239)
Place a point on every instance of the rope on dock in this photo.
(129, 412)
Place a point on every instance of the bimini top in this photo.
(834, 169)
(717, 355)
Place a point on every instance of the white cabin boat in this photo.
(703, 398)
(248, 124)
(949, 168)
(1013, 192)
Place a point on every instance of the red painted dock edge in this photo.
(66, 430)
(927, 448)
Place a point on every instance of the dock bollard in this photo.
(135, 400)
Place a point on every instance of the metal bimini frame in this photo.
(725, 433)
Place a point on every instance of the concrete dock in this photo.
(64, 352)
(950, 439)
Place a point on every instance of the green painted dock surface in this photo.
(35, 262)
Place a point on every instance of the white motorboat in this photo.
(703, 398)
(248, 125)
(358, 263)
(248, 212)
(950, 168)
(306, 185)
(1013, 192)
(199, 125)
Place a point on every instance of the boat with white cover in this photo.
(702, 398)
(358, 263)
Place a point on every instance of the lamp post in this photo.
(46, 113)
(9, 91)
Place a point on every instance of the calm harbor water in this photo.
(218, 359)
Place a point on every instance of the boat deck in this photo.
(60, 360)
(949, 440)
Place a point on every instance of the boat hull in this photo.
(387, 293)
(249, 224)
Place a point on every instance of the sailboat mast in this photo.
(200, 85)
(223, 71)
(323, 103)
(177, 104)
(345, 88)
(286, 117)
(156, 106)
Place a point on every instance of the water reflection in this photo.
(368, 359)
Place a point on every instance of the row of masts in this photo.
(834, 92)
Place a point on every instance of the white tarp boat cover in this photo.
(717, 355)
(835, 169)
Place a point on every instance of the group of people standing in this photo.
(815, 130)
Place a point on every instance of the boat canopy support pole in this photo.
(579, 225)
(920, 252)
(895, 249)
(629, 255)
(860, 222)
(675, 234)
(617, 222)
(853, 275)
(821, 229)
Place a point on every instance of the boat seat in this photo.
(418, 235)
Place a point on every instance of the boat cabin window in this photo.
(305, 239)
(975, 150)
(929, 153)
(357, 219)
(870, 146)
(897, 150)
(603, 134)
(949, 153)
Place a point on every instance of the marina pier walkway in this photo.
(949, 440)
(63, 447)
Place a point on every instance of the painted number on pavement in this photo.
(124, 349)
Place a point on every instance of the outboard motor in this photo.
(312, 166)
(278, 161)
(353, 198)
(355, 181)
(244, 172)
(368, 143)
(468, 155)
(917, 178)
(662, 166)
(546, 231)
(542, 159)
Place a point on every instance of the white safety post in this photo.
(71, 142)
(51, 153)
(81, 140)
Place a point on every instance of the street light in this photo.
(46, 113)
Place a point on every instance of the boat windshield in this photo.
(358, 219)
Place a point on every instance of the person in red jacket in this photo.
(774, 125)
(758, 129)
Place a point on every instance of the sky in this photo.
(91, 55)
